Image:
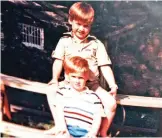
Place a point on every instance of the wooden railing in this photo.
(37, 87)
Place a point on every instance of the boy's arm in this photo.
(58, 116)
(96, 119)
(109, 77)
(56, 71)
(55, 102)
(60, 128)
(103, 61)
(95, 125)
(61, 119)
(58, 54)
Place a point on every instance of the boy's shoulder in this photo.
(93, 95)
(95, 39)
(66, 35)
(92, 37)
(61, 90)
(63, 87)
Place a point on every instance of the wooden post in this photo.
(159, 132)
(1, 104)
(1, 100)
(4, 104)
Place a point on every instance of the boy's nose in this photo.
(81, 27)
(77, 79)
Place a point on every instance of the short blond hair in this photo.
(76, 64)
(81, 11)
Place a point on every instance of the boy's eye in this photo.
(78, 23)
(85, 26)
(77, 77)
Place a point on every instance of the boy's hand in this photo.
(52, 131)
(53, 82)
(113, 91)
(90, 135)
(56, 131)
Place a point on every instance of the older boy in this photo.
(79, 42)
(78, 107)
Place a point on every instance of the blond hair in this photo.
(81, 11)
(76, 64)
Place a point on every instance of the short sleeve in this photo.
(101, 54)
(98, 107)
(59, 51)
(59, 101)
(54, 97)
(51, 96)
(97, 104)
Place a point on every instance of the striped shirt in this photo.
(79, 108)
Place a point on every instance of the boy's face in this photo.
(80, 29)
(78, 81)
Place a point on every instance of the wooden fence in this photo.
(37, 87)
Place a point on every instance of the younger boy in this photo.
(78, 42)
(78, 108)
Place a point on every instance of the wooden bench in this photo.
(37, 87)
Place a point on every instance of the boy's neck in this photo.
(81, 91)
(77, 40)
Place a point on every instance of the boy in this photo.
(78, 108)
(79, 42)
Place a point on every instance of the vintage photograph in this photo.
(81, 69)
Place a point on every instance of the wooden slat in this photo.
(17, 108)
(42, 88)
(22, 131)
(131, 100)
(133, 129)
(23, 84)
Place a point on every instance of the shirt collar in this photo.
(89, 37)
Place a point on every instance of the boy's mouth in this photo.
(80, 32)
(77, 84)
